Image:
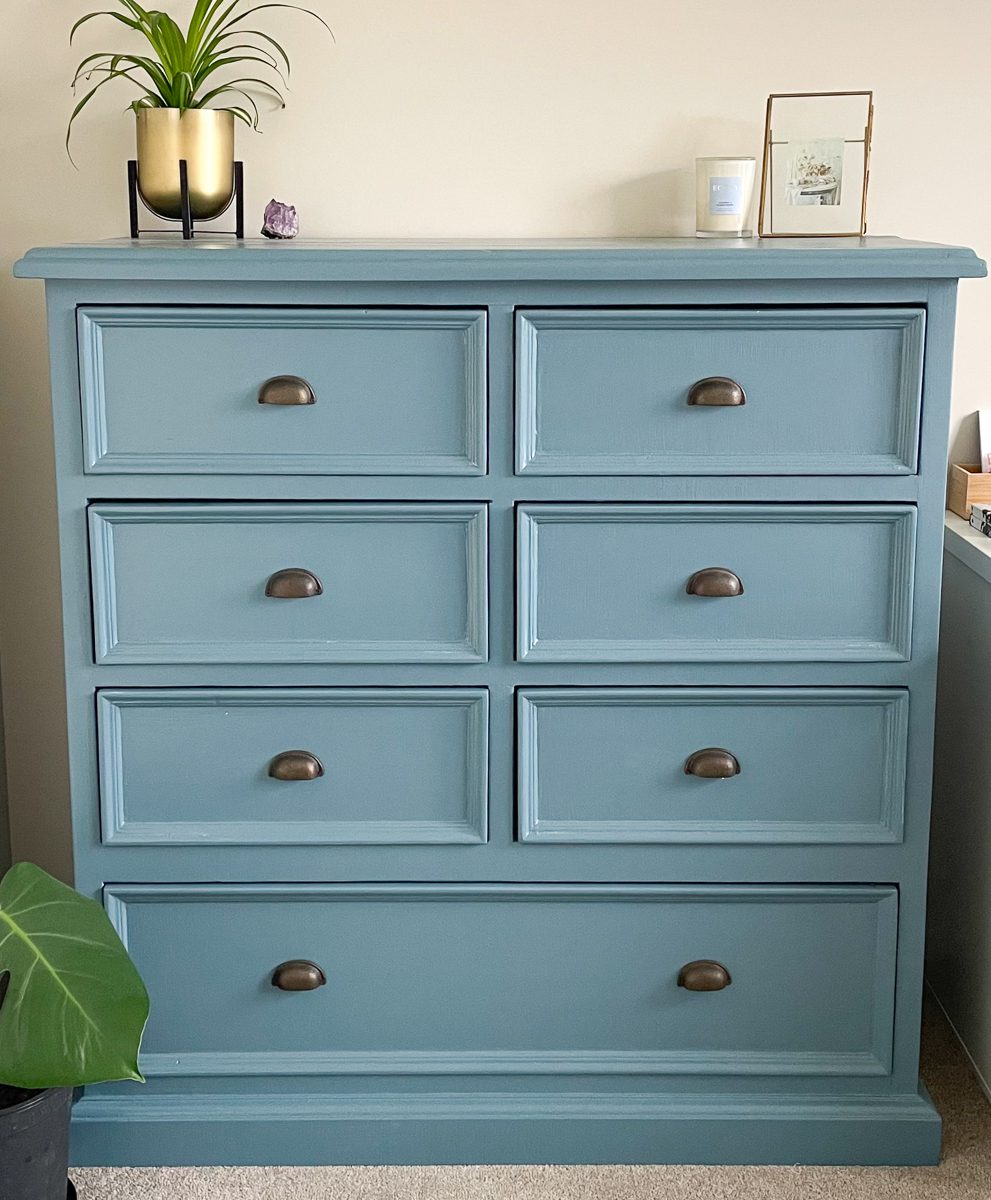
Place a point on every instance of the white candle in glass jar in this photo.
(724, 193)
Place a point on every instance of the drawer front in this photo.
(829, 391)
(395, 391)
(293, 767)
(730, 765)
(531, 979)
(609, 582)
(187, 582)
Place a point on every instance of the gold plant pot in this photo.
(204, 137)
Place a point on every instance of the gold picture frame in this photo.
(816, 164)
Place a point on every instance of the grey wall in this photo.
(959, 941)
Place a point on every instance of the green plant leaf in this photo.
(75, 1007)
(233, 85)
(207, 60)
(236, 60)
(131, 24)
(294, 7)
(241, 114)
(233, 90)
(217, 19)
(258, 34)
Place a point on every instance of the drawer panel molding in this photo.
(175, 390)
(817, 765)
(609, 582)
(186, 767)
(418, 975)
(186, 583)
(829, 391)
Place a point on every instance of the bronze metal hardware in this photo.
(704, 975)
(298, 975)
(294, 583)
(285, 390)
(715, 581)
(291, 765)
(712, 763)
(716, 391)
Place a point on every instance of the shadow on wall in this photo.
(4, 822)
(662, 204)
(46, 200)
(652, 205)
(958, 951)
(966, 441)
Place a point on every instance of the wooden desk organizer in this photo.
(968, 486)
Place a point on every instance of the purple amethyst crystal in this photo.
(280, 220)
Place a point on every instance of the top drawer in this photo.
(828, 391)
(395, 391)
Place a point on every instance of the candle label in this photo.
(726, 196)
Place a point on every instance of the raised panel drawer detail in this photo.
(372, 766)
(829, 391)
(526, 979)
(397, 391)
(186, 583)
(610, 582)
(617, 765)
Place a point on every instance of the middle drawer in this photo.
(292, 583)
(712, 765)
(715, 582)
(293, 766)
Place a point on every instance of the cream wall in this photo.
(474, 118)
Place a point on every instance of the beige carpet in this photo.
(965, 1173)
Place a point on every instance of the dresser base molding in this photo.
(494, 1127)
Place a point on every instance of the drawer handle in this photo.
(715, 581)
(285, 390)
(292, 765)
(293, 584)
(716, 391)
(712, 763)
(704, 975)
(298, 975)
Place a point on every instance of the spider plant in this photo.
(182, 69)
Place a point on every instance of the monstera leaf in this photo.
(73, 1006)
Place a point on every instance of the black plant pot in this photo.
(34, 1144)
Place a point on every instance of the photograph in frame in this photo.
(815, 165)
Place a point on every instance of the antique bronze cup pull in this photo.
(298, 975)
(704, 975)
(716, 391)
(293, 584)
(291, 765)
(286, 390)
(715, 581)
(712, 763)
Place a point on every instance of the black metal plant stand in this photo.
(187, 216)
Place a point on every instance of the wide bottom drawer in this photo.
(523, 979)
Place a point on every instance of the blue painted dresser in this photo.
(500, 691)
